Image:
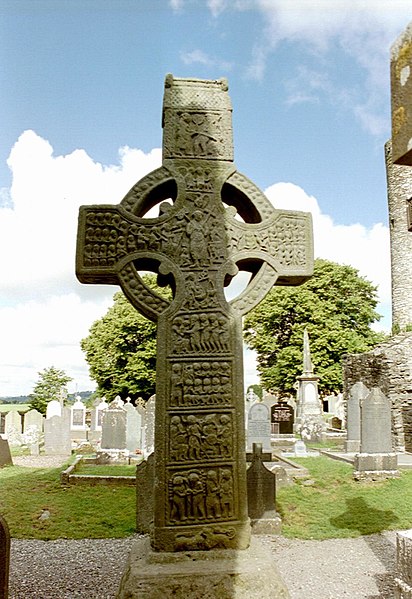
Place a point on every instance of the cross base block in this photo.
(220, 573)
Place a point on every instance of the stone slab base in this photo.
(403, 581)
(269, 524)
(352, 446)
(375, 474)
(375, 466)
(219, 573)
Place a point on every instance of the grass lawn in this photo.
(333, 505)
(76, 512)
(336, 506)
(106, 469)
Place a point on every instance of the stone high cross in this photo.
(218, 222)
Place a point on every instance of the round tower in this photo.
(399, 180)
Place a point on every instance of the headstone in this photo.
(57, 440)
(33, 418)
(261, 495)
(54, 408)
(149, 427)
(5, 455)
(258, 428)
(401, 97)
(376, 459)
(195, 245)
(114, 427)
(282, 418)
(13, 428)
(357, 394)
(78, 415)
(299, 449)
(133, 427)
(4, 558)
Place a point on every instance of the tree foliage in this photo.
(121, 350)
(337, 306)
(48, 387)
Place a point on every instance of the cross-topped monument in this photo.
(215, 222)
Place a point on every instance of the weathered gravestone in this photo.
(258, 427)
(376, 459)
(149, 426)
(261, 495)
(196, 245)
(13, 428)
(357, 394)
(5, 455)
(57, 439)
(114, 423)
(4, 558)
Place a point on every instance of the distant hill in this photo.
(26, 399)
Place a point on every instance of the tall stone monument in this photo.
(309, 422)
(196, 245)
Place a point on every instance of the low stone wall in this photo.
(389, 367)
(69, 476)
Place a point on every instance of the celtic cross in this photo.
(212, 222)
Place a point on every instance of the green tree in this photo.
(48, 387)
(121, 349)
(337, 306)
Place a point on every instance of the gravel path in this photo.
(361, 568)
(92, 568)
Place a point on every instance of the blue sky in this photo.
(81, 86)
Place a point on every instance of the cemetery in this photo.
(203, 484)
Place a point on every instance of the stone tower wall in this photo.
(399, 180)
(389, 367)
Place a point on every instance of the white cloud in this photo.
(45, 312)
(365, 249)
(199, 57)
(363, 30)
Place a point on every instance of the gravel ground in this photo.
(361, 568)
(92, 568)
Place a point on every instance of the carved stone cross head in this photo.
(212, 222)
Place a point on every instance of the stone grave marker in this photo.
(261, 495)
(376, 459)
(357, 394)
(114, 427)
(133, 426)
(57, 440)
(4, 558)
(13, 428)
(54, 408)
(258, 428)
(149, 426)
(197, 246)
(78, 426)
(33, 418)
(282, 418)
(5, 455)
